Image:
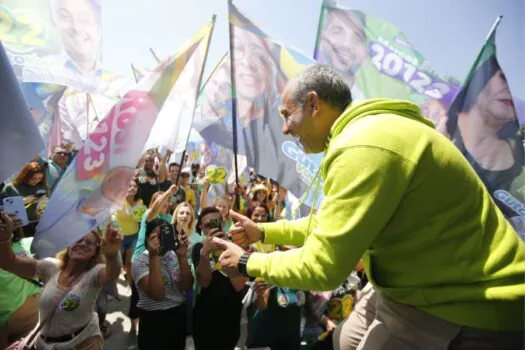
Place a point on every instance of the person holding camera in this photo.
(162, 275)
(217, 312)
(30, 183)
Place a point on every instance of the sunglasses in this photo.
(63, 154)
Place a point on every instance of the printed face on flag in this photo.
(78, 25)
(253, 64)
(258, 83)
(97, 181)
(483, 123)
(111, 193)
(495, 101)
(343, 41)
(218, 94)
(54, 41)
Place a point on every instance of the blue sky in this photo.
(449, 33)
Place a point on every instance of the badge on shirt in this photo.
(70, 302)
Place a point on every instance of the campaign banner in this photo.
(20, 139)
(262, 66)
(483, 123)
(43, 101)
(172, 128)
(378, 60)
(54, 41)
(96, 182)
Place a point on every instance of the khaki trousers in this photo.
(401, 327)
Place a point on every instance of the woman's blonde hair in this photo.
(63, 256)
(191, 225)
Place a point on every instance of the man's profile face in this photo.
(495, 101)
(344, 43)
(79, 29)
(297, 121)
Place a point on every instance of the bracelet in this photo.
(8, 240)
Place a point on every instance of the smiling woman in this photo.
(72, 283)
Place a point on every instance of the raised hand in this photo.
(245, 231)
(111, 242)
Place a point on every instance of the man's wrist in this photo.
(243, 264)
(263, 232)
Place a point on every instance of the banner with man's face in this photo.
(378, 60)
(262, 67)
(96, 182)
(54, 41)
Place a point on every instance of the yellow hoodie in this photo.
(402, 195)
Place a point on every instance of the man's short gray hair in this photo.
(326, 82)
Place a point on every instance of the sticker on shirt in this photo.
(340, 308)
(282, 300)
(70, 303)
(138, 212)
(288, 297)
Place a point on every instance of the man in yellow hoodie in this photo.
(447, 266)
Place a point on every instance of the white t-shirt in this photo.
(75, 310)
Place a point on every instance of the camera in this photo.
(168, 237)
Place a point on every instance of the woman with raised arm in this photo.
(72, 283)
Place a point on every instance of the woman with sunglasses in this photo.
(74, 279)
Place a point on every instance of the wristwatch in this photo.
(241, 265)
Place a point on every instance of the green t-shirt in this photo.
(15, 290)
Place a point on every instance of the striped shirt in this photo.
(170, 270)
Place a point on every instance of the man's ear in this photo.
(313, 102)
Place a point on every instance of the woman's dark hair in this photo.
(203, 213)
(137, 195)
(468, 95)
(150, 226)
(255, 205)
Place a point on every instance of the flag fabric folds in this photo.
(262, 66)
(378, 60)
(19, 135)
(483, 123)
(96, 182)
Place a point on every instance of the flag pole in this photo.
(154, 55)
(134, 73)
(494, 26)
(489, 35)
(234, 102)
(197, 91)
(318, 37)
(87, 115)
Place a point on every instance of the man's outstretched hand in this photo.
(230, 256)
(245, 231)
